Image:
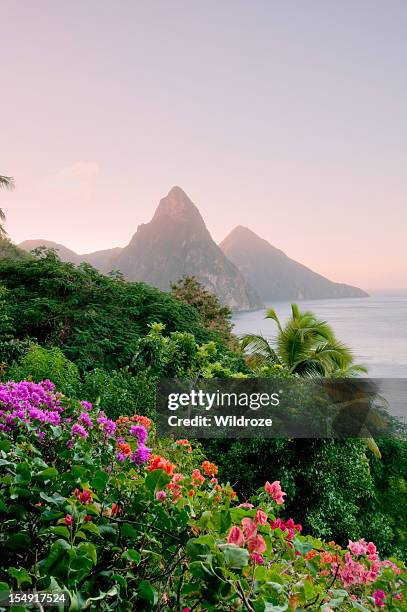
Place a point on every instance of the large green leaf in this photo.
(235, 556)
(156, 480)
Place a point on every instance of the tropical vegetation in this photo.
(306, 346)
(94, 503)
(119, 520)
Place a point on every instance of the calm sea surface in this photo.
(374, 327)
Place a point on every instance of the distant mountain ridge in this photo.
(274, 275)
(243, 271)
(101, 260)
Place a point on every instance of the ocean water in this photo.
(375, 328)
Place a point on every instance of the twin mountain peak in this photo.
(244, 271)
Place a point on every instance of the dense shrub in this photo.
(121, 392)
(94, 319)
(39, 364)
(389, 505)
(213, 315)
(333, 488)
(178, 354)
(86, 506)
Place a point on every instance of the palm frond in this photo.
(6, 182)
(271, 314)
(258, 351)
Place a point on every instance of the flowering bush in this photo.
(124, 521)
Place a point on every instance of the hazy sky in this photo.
(287, 117)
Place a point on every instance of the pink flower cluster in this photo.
(247, 534)
(379, 598)
(27, 403)
(363, 548)
(355, 572)
(288, 526)
(275, 491)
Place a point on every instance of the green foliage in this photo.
(133, 389)
(178, 355)
(213, 315)
(47, 364)
(6, 327)
(336, 488)
(95, 319)
(121, 392)
(123, 337)
(8, 250)
(117, 536)
(389, 507)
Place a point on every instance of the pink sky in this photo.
(288, 118)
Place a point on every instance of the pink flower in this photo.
(249, 528)
(275, 491)
(68, 520)
(256, 544)
(260, 518)
(161, 495)
(372, 552)
(257, 559)
(235, 536)
(379, 598)
(358, 548)
(246, 505)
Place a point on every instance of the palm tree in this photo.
(6, 182)
(306, 346)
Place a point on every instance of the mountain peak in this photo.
(243, 237)
(178, 206)
(176, 243)
(275, 276)
(241, 231)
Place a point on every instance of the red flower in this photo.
(68, 519)
(85, 497)
(249, 528)
(115, 509)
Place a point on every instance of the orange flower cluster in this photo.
(124, 448)
(122, 419)
(115, 509)
(157, 462)
(326, 556)
(310, 554)
(185, 443)
(142, 420)
(210, 469)
(197, 478)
